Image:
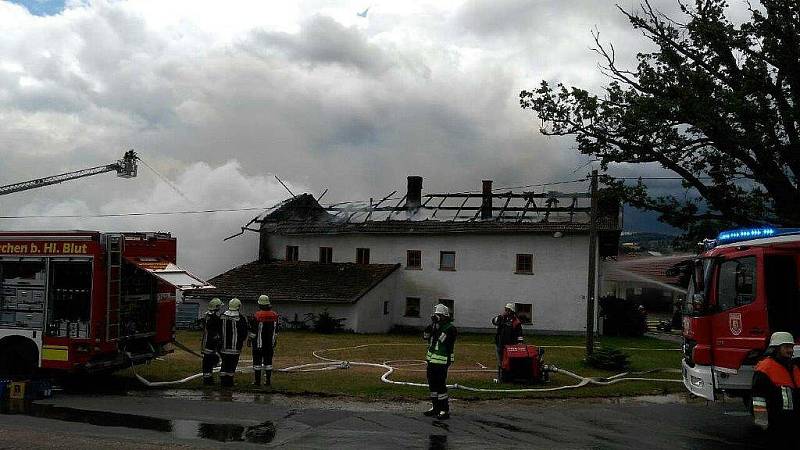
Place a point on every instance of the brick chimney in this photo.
(486, 203)
(414, 194)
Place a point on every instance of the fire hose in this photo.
(334, 364)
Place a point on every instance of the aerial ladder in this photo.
(125, 168)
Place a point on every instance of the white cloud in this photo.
(307, 90)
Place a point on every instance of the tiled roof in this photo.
(297, 281)
(304, 215)
(656, 269)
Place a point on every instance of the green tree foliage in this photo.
(717, 103)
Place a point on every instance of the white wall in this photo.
(369, 309)
(484, 279)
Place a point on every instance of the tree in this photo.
(717, 103)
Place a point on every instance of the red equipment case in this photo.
(522, 363)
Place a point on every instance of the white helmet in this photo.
(781, 338)
(441, 310)
(234, 304)
(510, 306)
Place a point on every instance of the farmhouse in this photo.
(386, 263)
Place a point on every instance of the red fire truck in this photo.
(86, 300)
(742, 288)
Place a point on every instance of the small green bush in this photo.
(325, 323)
(608, 358)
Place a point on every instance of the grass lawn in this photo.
(295, 347)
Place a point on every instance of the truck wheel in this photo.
(19, 358)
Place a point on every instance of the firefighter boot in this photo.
(268, 378)
(257, 378)
(434, 408)
(226, 381)
(444, 409)
(208, 380)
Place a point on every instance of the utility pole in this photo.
(590, 292)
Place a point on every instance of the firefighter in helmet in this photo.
(441, 335)
(263, 337)
(509, 332)
(234, 334)
(212, 335)
(775, 390)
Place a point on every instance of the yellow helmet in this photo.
(234, 304)
(214, 304)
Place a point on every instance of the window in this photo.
(385, 308)
(737, 283)
(362, 256)
(524, 263)
(412, 307)
(326, 255)
(447, 260)
(292, 253)
(524, 312)
(413, 259)
(450, 306)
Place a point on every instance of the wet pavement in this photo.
(218, 420)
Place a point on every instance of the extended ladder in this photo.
(114, 247)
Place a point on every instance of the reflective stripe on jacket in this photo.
(442, 343)
(264, 328)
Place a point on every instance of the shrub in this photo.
(324, 322)
(608, 358)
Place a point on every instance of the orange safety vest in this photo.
(778, 374)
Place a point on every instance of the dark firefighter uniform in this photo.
(441, 335)
(775, 397)
(234, 335)
(509, 331)
(212, 339)
(263, 336)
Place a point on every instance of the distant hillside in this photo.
(644, 241)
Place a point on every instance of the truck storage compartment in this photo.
(69, 308)
(137, 308)
(22, 292)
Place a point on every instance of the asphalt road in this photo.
(185, 419)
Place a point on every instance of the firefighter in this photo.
(441, 335)
(234, 334)
(212, 334)
(775, 388)
(263, 336)
(509, 332)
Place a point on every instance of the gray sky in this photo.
(219, 96)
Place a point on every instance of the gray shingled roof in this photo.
(297, 281)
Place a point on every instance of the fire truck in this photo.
(86, 300)
(742, 288)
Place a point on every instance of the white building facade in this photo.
(474, 274)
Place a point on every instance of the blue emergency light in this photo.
(746, 234)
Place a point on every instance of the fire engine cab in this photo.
(86, 300)
(742, 288)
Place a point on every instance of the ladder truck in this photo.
(86, 301)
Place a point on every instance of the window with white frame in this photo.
(447, 260)
(412, 307)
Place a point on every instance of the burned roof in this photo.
(467, 212)
(297, 281)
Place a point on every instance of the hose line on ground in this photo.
(334, 364)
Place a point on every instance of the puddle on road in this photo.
(178, 428)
